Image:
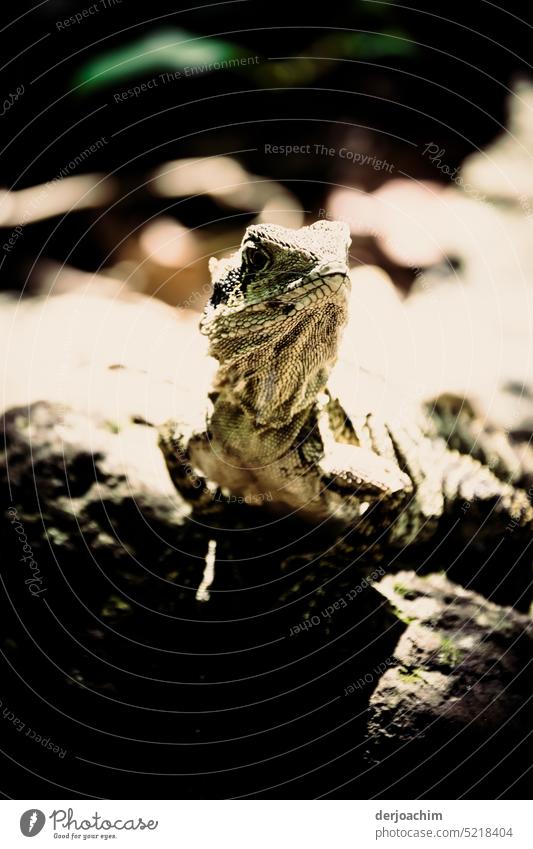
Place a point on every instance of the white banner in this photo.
(267, 824)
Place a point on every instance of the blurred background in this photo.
(136, 142)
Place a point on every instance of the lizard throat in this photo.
(275, 375)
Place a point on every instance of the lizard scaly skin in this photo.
(281, 430)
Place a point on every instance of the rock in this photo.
(117, 359)
(117, 634)
(70, 462)
(263, 688)
(455, 703)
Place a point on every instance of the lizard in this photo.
(285, 427)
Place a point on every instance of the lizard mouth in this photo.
(332, 275)
(300, 290)
(328, 281)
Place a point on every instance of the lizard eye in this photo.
(255, 259)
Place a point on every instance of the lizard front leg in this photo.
(400, 461)
(348, 468)
(373, 493)
(369, 486)
(173, 440)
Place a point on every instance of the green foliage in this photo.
(449, 654)
(324, 54)
(366, 45)
(399, 614)
(164, 50)
(411, 675)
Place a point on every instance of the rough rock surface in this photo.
(456, 702)
(117, 640)
(298, 677)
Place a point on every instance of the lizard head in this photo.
(277, 310)
(276, 275)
